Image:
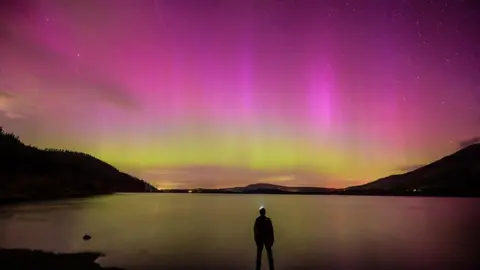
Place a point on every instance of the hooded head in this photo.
(262, 211)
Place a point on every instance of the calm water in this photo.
(200, 231)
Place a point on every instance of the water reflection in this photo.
(199, 231)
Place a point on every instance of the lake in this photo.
(215, 231)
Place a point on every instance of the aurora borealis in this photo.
(214, 93)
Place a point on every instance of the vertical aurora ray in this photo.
(320, 102)
(246, 83)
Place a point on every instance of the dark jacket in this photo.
(263, 231)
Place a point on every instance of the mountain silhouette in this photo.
(258, 187)
(27, 172)
(456, 174)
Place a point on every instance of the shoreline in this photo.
(8, 201)
(339, 193)
(23, 200)
(28, 199)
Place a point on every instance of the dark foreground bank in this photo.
(24, 259)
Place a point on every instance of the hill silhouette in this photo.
(28, 173)
(455, 175)
(271, 188)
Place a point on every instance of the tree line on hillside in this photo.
(29, 172)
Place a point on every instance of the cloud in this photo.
(24, 104)
(13, 115)
(5, 95)
(7, 106)
(63, 75)
(468, 142)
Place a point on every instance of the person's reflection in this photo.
(263, 233)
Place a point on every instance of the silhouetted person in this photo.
(263, 233)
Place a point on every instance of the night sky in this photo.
(225, 93)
